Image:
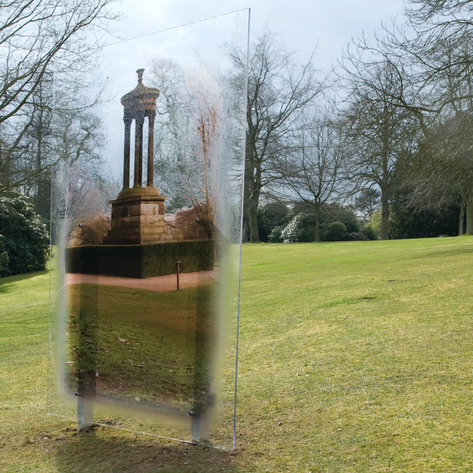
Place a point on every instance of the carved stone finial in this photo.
(140, 75)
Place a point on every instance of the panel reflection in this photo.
(148, 268)
(145, 346)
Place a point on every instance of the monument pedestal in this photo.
(137, 217)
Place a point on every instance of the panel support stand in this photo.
(85, 413)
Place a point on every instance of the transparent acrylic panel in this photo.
(145, 327)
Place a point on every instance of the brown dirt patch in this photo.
(158, 283)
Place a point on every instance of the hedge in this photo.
(142, 261)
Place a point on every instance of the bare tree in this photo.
(436, 86)
(41, 43)
(377, 131)
(33, 34)
(278, 92)
(312, 170)
(206, 105)
(190, 136)
(440, 173)
(77, 199)
(69, 134)
(172, 122)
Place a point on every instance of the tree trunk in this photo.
(317, 222)
(461, 220)
(244, 231)
(384, 216)
(253, 219)
(252, 194)
(469, 215)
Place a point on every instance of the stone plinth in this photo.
(138, 217)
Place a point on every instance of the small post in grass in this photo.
(199, 427)
(87, 356)
(178, 269)
(85, 414)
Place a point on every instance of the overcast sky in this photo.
(302, 24)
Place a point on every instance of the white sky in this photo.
(302, 24)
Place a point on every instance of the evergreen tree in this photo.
(25, 236)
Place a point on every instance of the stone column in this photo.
(126, 154)
(151, 117)
(138, 151)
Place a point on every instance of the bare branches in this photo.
(436, 64)
(436, 50)
(40, 40)
(32, 34)
(312, 170)
(378, 119)
(423, 11)
(278, 93)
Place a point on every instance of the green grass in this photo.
(354, 357)
(368, 352)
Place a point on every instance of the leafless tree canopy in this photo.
(33, 33)
(278, 92)
(312, 171)
(46, 52)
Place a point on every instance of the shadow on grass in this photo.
(6, 280)
(88, 451)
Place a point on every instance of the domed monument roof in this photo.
(141, 98)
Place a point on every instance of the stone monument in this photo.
(140, 244)
(138, 211)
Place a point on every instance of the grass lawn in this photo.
(354, 357)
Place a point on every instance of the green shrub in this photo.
(25, 236)
(270, 216)
(3, 255)
(337, 231)
(276, 235)
(334, 212)
(369, 231)
(375, 223)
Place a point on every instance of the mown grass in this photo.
(354, 357)
(368, 354)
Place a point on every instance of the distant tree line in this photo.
(398, 128)
(279, 222)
